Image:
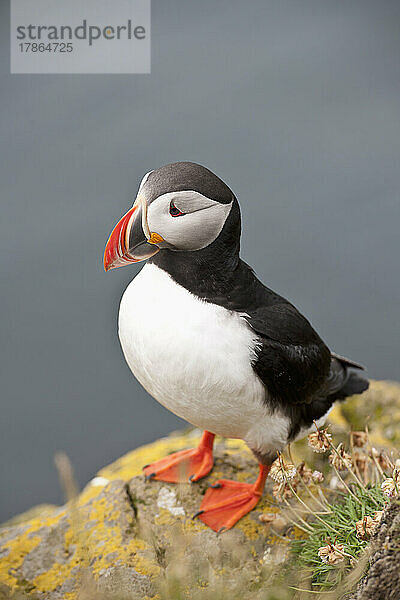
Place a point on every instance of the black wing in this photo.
(292, 361)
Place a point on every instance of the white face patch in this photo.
(199, 225)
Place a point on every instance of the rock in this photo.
(121, 527)
(121, 532)
(383, 579)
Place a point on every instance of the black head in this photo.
(185, 176)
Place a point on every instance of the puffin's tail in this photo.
(343, 381)
(354, 382)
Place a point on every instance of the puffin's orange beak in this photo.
(130, 240)
(116, 253)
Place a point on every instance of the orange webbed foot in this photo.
(186, 465)
(228, 501)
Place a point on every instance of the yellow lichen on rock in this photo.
(13, 554)
(49, 555)
(102, 533)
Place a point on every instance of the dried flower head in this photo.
(304, 472)
(319, 440)
(340, 459)
(391, 486)
(332, 554)
(388, 488)
(317, 477)
(378, 516)
(281, 491)
(380, 457)
(281, 471)
(366, 527)
(361, 462)
(359, 438)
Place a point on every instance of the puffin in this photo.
(210, 342)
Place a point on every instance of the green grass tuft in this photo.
(345, 512)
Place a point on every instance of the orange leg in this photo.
(185, 465)
(228, 501)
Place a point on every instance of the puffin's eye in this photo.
(173, 211)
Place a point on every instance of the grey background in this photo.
(295, 104)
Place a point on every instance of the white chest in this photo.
(192, 356)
